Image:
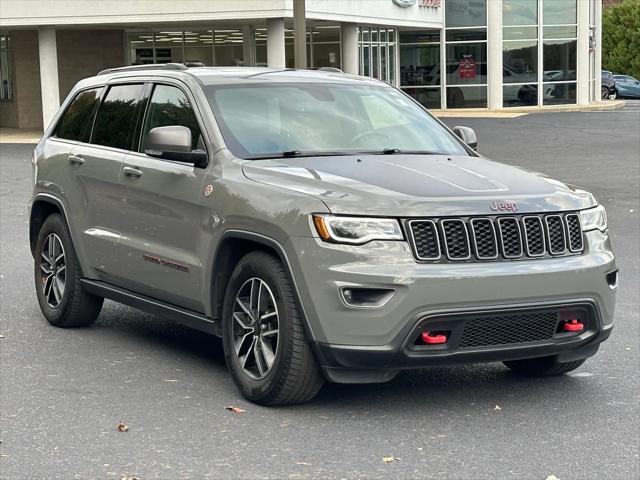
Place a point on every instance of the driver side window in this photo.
(170, 106)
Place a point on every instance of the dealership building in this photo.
(495, 54)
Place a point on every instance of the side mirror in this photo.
(174, 143)
(467, 135)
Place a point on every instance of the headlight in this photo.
(356, 230)
(594, 218)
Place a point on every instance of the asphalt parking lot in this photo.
(62, 392)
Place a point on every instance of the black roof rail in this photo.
(153, 66)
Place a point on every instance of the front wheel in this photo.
(265, 346)
(543, 366)
(604, 92)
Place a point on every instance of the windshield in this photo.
(267, 120)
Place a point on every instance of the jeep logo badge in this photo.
(503, 207)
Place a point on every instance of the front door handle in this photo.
(132, 172)
(76, 160)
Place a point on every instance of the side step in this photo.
(186, 317)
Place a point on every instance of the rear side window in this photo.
(76, 120)
(170, 106)
(116, 119)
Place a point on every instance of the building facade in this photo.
(494, 53)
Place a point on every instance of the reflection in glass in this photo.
(559, 59)
(114, 124)
(520, 33)
(466, 97)
(520, 62)
(520, 95)
(420, 37)
(466, 13)
(466, 63)
(560, 32)
(559, 12)
(326, 55)
(559, 93)
(427, 97)
(466, 35)
(419, 65)
(519, 12)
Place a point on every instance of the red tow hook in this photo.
(433, 338)
(573, 326)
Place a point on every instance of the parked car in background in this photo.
(608, 85)
(626, 86)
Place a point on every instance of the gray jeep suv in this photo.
(325, 225)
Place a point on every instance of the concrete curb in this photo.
(15, 135)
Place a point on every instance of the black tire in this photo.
(543, 366)
(294, 376)
(604, 93)
(76, 308)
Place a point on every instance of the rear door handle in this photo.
(76, 160)
(132, 172)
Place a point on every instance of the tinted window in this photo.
(170, 106)
(117, 116)
(76, 121)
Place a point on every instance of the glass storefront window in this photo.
(520, 62)
(419, 65)
(378, 56)
(466, 35)
(520, 95)
(198, 46)
(520, 33)
(565, 31)
(420, 37)
(467, 97)
(519, 12)
(559, 12)
(559, 60)
(466, 64)
(559, 93)
(168, 47)
(465, 13)
(427, 97)
(5, 69)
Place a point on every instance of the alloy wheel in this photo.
(53, 270)
(255, 328)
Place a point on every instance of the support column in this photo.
(49, 88)
(582, 60)
(299, 34)
(494, 55)
(275, 43)
(248, 46)
(349, 48)
(443, 69)
(598, 59)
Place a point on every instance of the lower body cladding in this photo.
(372, 310)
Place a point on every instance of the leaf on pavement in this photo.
(388, 459)
(552, 477)
(122, 427)
(234, 409)
(127, 477)
(497, 407)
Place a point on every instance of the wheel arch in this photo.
(42, 206)
(233, 245)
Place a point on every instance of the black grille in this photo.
(510, 240)
(574, 232)
(504, 329)
(425, 238)
(456, 240)
(484, 238)
(555, 234)
(496, 237)
(534, 233)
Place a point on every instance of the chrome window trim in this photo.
(446, 245)
(495, 239)
(413, 240)
(526, 236)
(500, 220)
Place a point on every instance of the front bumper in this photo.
(375, 338)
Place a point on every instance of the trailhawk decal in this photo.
(165, 262)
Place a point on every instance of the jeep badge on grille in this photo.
(503, 206)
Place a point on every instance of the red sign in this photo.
(430, 3)
(467, 67)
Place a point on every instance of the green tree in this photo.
(621, 38)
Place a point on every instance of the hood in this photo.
(418, 185)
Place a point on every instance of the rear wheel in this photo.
(265, 346)
(543, 366)
(57, 274)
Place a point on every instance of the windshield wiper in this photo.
(301, 153)
(396, 151)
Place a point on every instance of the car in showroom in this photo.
(325, 225)
(627, 86)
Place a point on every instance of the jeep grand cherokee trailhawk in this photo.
(325, 225)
